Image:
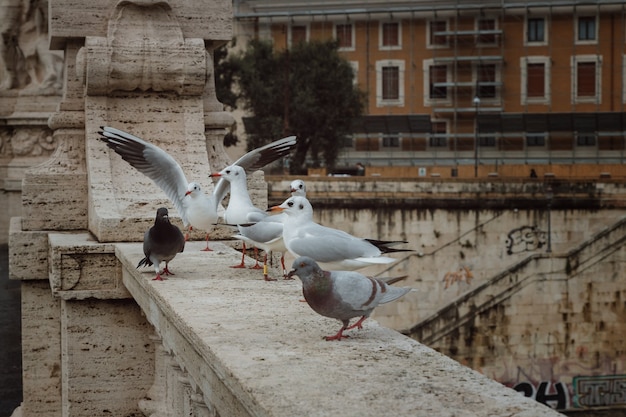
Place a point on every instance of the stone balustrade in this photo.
(212, 341)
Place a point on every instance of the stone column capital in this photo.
(144, 50)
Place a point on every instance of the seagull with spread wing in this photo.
(195, 208)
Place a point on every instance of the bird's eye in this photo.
(290, 203)
(228, 171)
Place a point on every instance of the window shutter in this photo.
(586, 79)
(535, 80)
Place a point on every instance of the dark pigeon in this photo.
(342, 295)
(161, 243)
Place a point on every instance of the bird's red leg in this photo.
(207, 249)
(282, 262)
(338, 336)
(243, 255)
(187, 233)
(358, 324)
(256, 260)
(158, 274)
(166, 271)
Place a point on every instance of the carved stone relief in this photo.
(26, 142)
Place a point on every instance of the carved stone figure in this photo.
(26, 63)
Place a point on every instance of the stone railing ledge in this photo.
(81, 267)
(252, 348)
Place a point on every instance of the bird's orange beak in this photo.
(216, 174)
(275, 209)
(187, 193)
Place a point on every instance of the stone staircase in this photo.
(535, 268)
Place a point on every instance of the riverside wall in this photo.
(521, 280)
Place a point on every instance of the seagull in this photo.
(297, 187)
(161, 243)
(267, 234)
(332, 248)
(240, 209)
(342, 295)
(195, 208)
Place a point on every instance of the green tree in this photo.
(307, 91)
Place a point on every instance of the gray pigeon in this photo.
(161, 243)
(342, 295)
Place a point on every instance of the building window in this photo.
(585, 139)
(391, 141)
(535, 79)
(390, 83)
(297, 34)
(355, 71)
(486, 28)
(586, 78)
(344, 33)
(439, 134)
(367, 143)
(536, 139)
(487, 140)
(435, 39)
(535, 30)
(586, 29)
(486, 80)
(390, 35)
(438, 76)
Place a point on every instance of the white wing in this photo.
(325, 244)
(257, 159)
(151, 161)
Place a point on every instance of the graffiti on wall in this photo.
(552, 394)
(525, 239)
(587, 392)
(463, 274)
(599, 391)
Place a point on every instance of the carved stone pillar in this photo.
(143, 66)
(146, 76)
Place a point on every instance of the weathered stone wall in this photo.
(491, 295)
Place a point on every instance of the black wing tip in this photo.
(386, 249)
(385, 245)
(144, 262)
(378, 242)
